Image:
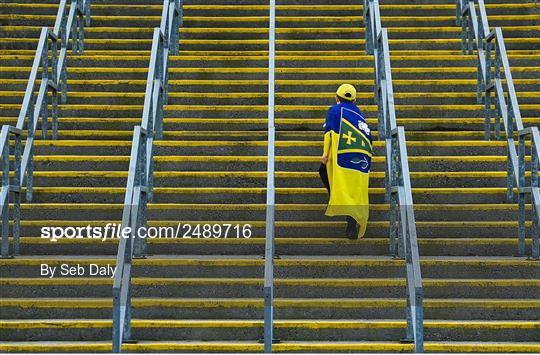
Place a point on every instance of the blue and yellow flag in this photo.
(349, 163)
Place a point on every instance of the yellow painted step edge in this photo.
(279, 302)
(141, 281)
(218, 262)
(252, 347)
(304, 324)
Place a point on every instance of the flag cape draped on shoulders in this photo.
(349, 163)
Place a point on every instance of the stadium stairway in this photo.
(332, 294)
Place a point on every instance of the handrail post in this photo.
(470, 32)
(17, 182)
(458, 12)
(80, 31)
(87, 12)
(497, 74)
(175, 19)
(535, 194)
(488, 91)
(9, 187)
(54, 85)
(5, 191)
(464, 23)
(268, 292)
(368, 34)
(180, 24)
(44, 78)
(116, 321)
(396, 182)
(30, 136)
(73, 26)
(521, 196)
(419, 320)
(139, 217)
(529, 188)
(481, 71)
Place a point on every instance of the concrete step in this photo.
(294, 212)
(257, 179)
(301, 128)
(225, 74)
(334, 228)
(281, 44)
(418, 128)
(247, 347)
(282, 85)
(246, 308)
(294, 111)
(286, 330)
(97, 21)
(302, 59)
(284, 212)
(33, 30)
(454, 57)
(254, 163)
(492, 245)
(283, 136)
(451, 112)
(251, 287)
(449, 20)
(330, 32)
(293, 266)
(257, 133)
(125, 9)
(254, 147)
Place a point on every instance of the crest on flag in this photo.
(354, 149)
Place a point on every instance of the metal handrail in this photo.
(474, 31)
(66, 24)
(510, 111)
(32, 108)
(35, 106)
(268, 291)
(495, 72)
(403, 238)
(529, 189)
(140, 176)
(8, 186)
(372, 20)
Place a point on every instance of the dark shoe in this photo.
(352, 229)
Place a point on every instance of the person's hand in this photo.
(324, 159)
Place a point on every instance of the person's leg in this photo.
(352, 228)
(323, 173)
